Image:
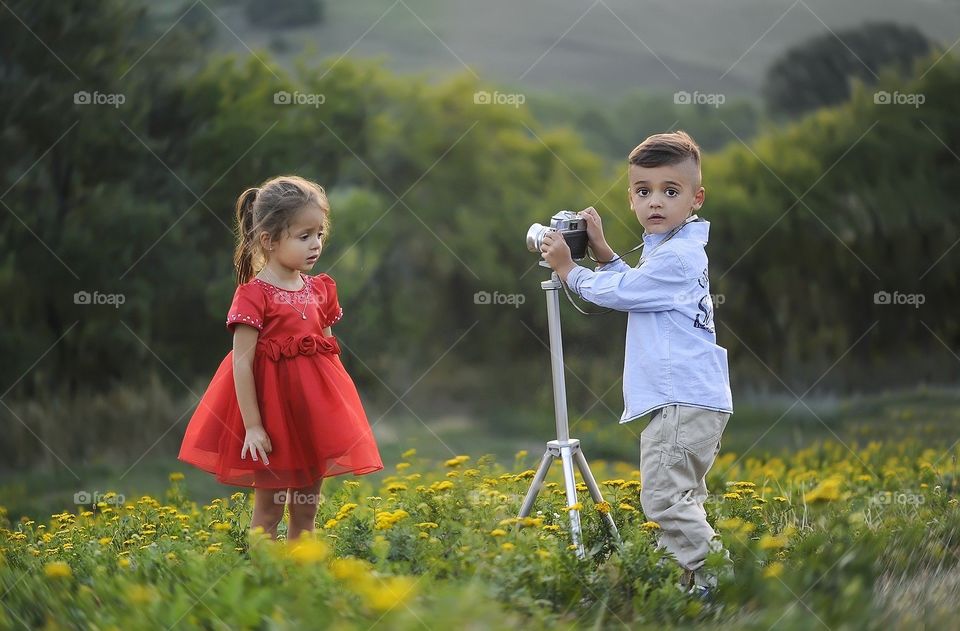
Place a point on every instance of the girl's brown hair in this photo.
(271, 208)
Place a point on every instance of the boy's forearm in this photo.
(603, 252)
(564, 269)
(247, 395)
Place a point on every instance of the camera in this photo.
(569, 224)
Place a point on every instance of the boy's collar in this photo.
(697, 228)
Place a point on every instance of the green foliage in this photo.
(821, 532)
(431, 195)
(818, 72)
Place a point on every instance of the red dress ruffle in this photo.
(309, 405)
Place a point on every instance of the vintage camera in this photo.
(569, 224)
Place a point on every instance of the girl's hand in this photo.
(256, 442)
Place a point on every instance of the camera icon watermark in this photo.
(99, 98)
(897, 298)
(496, 298)
(298, 98)
(97, 298)
(94, 498)
(515, 99)
(714, 99)
(882, 97)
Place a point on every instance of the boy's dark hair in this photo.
(665, 149)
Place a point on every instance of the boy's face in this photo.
(662, 197)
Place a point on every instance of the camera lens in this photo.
(535, 237)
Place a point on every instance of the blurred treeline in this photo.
(432, 194)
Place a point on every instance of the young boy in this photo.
(674, 371)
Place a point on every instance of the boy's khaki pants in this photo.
(677, 448)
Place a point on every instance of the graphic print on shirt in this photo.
(704, 319)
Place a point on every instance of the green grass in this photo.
(930, 416)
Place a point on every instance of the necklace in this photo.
(303, 314)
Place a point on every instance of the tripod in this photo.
(566, 448)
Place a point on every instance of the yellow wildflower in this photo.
(774, 570)
(773, 542)
(57, 570)
(456, 461)
(390, 592)
(307, 550)
(827, 491)
(350, 569)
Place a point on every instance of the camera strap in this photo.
(670, 235)
(643, 258)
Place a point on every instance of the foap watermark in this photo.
(906, 497)
(697, 299)
(97, 298)
(516, 99)
(95, 498)
(496, 298)
(683, 97)
(882, 97)
(297, 299)
(897, 298)
(296, 497)
(114, 100)
(489, 497)
(298, 98)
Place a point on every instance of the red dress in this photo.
(309, 406)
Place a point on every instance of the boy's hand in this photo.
(595, 238)
(556, 253)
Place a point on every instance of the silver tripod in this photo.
(565, 448)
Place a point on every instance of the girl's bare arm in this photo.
(244, 343)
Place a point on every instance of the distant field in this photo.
(757, 429)
(580, 46)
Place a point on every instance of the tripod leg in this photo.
(570, 481)
(595, 491)
(536, 484)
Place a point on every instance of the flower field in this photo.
(826, 537)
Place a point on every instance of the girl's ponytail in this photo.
(243, 254)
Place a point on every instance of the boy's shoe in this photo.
(701, 583)
(702, 593)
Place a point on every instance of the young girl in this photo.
(281, 413)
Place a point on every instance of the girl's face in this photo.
(300, 246)
(663, 197)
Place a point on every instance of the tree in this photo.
(818, 72)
